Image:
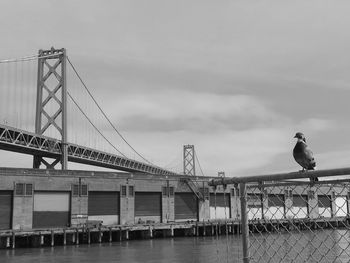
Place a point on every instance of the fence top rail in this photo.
(280, 176)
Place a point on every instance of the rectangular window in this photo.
(84, 190)
(232, 192)
(123, 190)
(19, 189)
(131, 190)
(311, 195)
(24, 189)
(29, 189)
(75, 190)
(205, 192)
(288, 193)
(171, 191)
(165, 191)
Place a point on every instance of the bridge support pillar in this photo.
(51, 102)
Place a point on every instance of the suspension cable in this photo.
(103, 113)
(27, 58)
(200, 167)
(93, 125)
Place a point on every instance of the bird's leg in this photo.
(302, 171)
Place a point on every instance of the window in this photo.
(29, 189)
(75, 190)
(205, 192)
(123, 190)
(288, 193)
(232, 192)
(311, 195)
(20, 189)
(79, 190)
(131, 190)
(165, 191)
(23, 189)
(171, 191)
(84, 190)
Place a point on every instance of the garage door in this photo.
(51, 209)
(5, 209)
(104, 206)
(186, 206)
(324, 206)
(148, 206)
(219, 206)
(276, 207)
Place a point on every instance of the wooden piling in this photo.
(77, 236)
(99, 235)
(13, 240)
(150, 232)
(110, 235)
(41, 239)
(8, 242)
(171, 230)
(89, 235)
(127, 234)
(64, 237)
(52, 238)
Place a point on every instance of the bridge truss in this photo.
(12, 139)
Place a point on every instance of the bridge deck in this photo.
(15, 140)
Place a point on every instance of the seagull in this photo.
(303, 155)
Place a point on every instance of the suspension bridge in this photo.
(41, 111)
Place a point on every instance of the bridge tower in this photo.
(189, 160)
(51, 102)
(221, 174)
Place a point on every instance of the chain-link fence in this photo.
(299, 222)
(285, 220)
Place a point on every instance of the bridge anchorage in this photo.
(52, 93)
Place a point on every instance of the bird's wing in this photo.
(308, 154)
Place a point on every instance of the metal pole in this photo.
(244, 221)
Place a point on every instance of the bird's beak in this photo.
(295, 136)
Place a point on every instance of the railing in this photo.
(286, 220)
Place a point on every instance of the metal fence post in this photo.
(244, 220)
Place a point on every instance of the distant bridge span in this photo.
(15, 140)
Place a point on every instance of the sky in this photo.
(236, 79)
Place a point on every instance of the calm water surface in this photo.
(318, 246)
(182, 249)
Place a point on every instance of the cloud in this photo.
(186, 110)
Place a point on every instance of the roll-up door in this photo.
(324, 206)
(148, 207)
(5, 209)
(341, 206)
(104, 206)
(51, 209)
(186, 206)
(275, 207)
(219, 206)
(300, 207)
(254, 203)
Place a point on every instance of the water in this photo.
(169, 250)
(316, 246)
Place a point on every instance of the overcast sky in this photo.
(237, 79)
